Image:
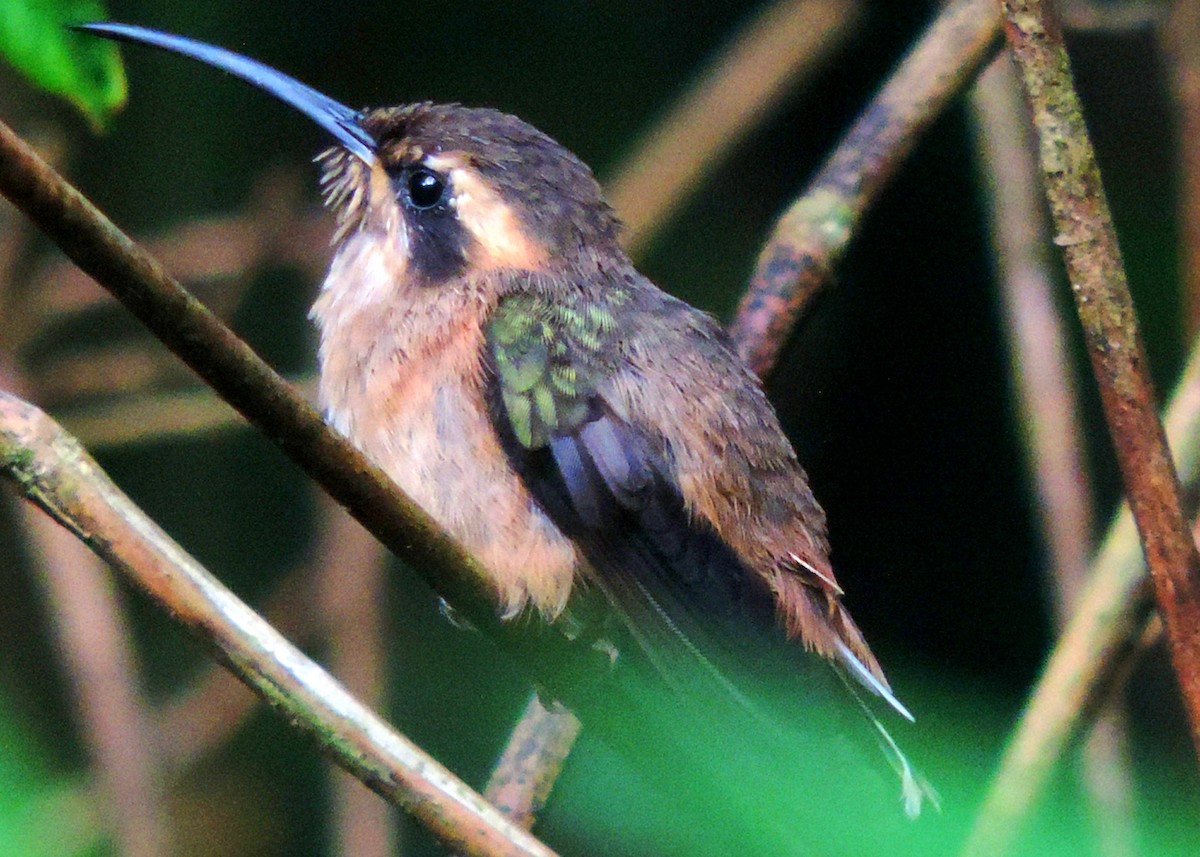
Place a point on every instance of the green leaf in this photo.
(85, 70)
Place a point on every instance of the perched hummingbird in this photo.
(487, 342)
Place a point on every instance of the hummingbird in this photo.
(487, 342)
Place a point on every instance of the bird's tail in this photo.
(914, 788)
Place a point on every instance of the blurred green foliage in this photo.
(34, 37)
(32, 797)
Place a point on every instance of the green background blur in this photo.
(895, 392)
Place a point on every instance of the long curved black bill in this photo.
(336, 118)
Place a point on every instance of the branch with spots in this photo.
(1093, 261)
(1118, 603)
(812, 235)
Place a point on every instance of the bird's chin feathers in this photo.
(359, 194)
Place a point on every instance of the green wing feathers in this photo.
(549, 356)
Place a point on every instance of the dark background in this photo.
(895, 390)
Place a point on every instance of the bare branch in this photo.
(1041, 365)
(1093, 259)
(814, 232)
(55, 472)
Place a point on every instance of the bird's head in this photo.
(450, 190)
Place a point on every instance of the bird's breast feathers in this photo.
(404, 380)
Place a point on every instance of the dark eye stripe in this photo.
(438, 240)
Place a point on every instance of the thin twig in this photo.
(1041, 366)
(814, 232)
(1093, 260)
(1181, 37)
(55, 472)
(1102, 632)
(781, 47)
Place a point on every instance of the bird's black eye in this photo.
(425, 188)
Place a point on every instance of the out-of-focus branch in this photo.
(1093, 259)
(775, 52)
(351, 601)
(54, 472)
(1098, 640)
(531, 762)
(813, 233)
(1048, 409)
(1106, 16)
(1041, 365)
(1182, 40)
(95, 647)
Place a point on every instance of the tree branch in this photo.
(811, 236)
(1097, 641)
(1093, 259)
(55, 472)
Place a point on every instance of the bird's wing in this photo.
(602, 480)
(611, 483)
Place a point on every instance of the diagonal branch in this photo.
(250, 385)
(1093, 260)
(811, 236)
(55, 472)
(1102, 632)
